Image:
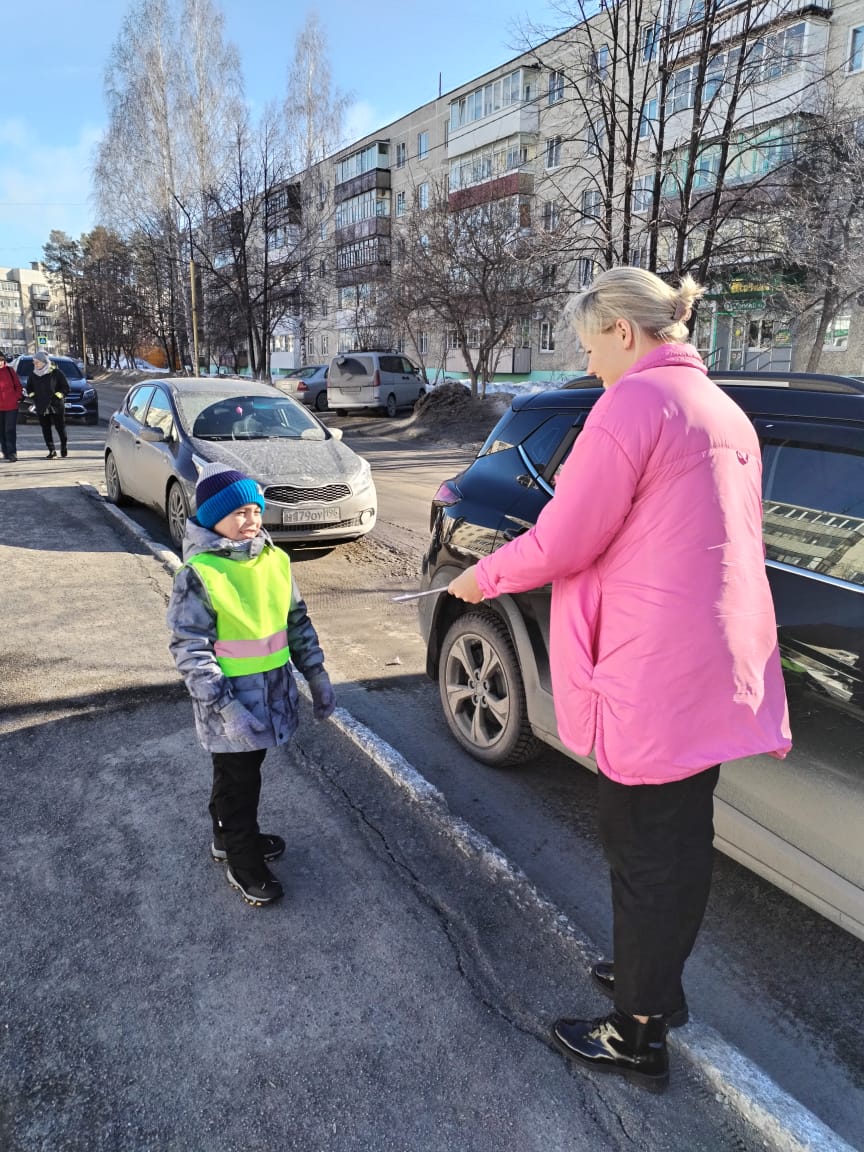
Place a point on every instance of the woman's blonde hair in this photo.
(640, 297)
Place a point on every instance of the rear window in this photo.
(355, 365)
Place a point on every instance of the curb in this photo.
(783, 1123)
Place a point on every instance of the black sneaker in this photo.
(64, 452)
(603, 975)
(618, 1043)
(258, 886)
(271, 846)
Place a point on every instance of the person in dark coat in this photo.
(10, 393)
(239, 629)
(49, 389)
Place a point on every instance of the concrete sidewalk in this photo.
(398, 998)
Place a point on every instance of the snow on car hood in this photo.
(279, 461)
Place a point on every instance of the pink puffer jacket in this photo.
(663, 637)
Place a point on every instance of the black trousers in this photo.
(658, 839)
(8, 433)
(234, 805)
(58, 419)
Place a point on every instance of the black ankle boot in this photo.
(603, 975)
(257, 885)
(618, 1043)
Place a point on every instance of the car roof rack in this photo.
(799, 381)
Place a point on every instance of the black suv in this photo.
(82, 402)
(798, 822)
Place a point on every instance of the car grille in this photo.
(354, 522)
(280, 494)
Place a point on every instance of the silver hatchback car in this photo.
(317, 490)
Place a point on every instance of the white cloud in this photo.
(42, 187)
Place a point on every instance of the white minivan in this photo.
(385, 381)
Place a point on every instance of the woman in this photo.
(10, 394)
(663, 639)
(49, 389)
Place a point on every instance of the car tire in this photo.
(487, 713)
(321, 402)
(176, 513)
(112, 482)
(390, 406)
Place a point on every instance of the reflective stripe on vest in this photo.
(251, 599)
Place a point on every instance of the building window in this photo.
(401, 154)
(556, 87)
(643, 193)
(325, 345)
(422, 145)
(423, 195)
(550, 216)
(547, 336)
(837, 335)
(323, 305)
(649, 39)
(591, 202)
(553, 152)
(549, 275)
(400, 203)
(600, 64)
(681, 90)
(489, 99)
(856, 50)
(647, 120)
(596, 138)
(585, 271)
(422, 343)
(639, 256)
(452, 339)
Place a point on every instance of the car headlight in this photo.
(88, 394)
(363, 475)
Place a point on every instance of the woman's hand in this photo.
(465, 586)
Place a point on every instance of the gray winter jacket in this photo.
(271, 696)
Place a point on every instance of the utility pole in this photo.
(193, 296)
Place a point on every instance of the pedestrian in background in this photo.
(663, 639)
(10, 394)
(49, 389)
(238, 626)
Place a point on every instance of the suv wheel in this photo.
(482, 692)
(390, 406)
(178, 513)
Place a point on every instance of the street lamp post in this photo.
(193, 296)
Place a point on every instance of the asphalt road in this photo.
(777, 980)
(397, 1000)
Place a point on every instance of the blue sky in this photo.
(386, 54)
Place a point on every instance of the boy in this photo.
(238, 625)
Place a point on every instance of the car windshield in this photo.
(69, 369)
(213, 417)
(303, 373)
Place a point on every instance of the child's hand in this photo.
(241, 727)
(323, 696)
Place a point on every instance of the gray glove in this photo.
(241, 727)
(323, 696)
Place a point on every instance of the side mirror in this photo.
(152, 435)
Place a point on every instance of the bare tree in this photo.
(62, 258)
(822, 221)
(477, 264)
(677, 121)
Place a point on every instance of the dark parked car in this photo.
(82, 402)
(797, 822)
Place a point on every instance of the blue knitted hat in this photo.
(220, 490)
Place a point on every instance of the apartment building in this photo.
(618, 143)
(28, 312)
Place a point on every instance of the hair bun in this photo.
(682, 311)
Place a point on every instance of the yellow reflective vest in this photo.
(251, 599)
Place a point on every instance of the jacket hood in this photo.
(198, 539)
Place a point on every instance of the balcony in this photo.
(496, 188)
(362, 229)
(375, 178)
(520, 119)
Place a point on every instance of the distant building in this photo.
(28, 311)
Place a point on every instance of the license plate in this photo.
(310, 515)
